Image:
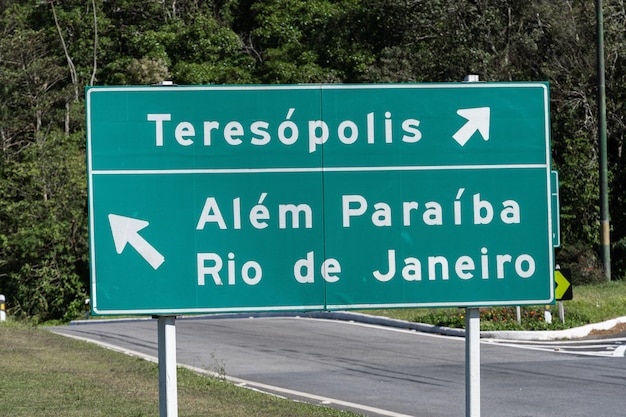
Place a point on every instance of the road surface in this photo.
(378, 371)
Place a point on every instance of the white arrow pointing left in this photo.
(126, 230)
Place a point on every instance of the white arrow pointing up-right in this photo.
(477, 120)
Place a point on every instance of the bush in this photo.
(583, 262)
(618, 259)
(505, 318)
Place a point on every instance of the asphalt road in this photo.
(379, 370)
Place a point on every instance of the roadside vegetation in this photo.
(48, 375)
(51, 50)
(592, 303)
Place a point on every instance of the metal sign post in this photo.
(472, 346)
(3, 314)
(168, 385)
(472, 362)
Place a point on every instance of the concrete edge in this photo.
(385, 321)
(533, 335)
(547, 335)
(327, 315)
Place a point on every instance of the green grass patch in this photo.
(591, 304)
(43, 374)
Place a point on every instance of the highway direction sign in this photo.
(319, 197)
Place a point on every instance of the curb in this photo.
(546, 335)
(523, 335)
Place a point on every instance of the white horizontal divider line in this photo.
(312, 169)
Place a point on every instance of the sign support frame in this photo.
(472, 345)
(561, 311)
(168, 383)
(472, 362)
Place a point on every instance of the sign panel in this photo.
(556, 210)
(318, 197)
(563, 285)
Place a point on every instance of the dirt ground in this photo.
(616, 331)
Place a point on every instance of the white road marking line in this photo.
(265, 388)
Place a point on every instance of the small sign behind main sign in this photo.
(319, 197)
(556, 209)
(563, 285)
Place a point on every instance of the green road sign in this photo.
(319, 197)
(556, 210)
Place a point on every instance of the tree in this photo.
(42, 224)
(43, 243)
(298, 41)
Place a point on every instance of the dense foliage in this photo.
(51, 49)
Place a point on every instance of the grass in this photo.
(591, 304)
(43, 374)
